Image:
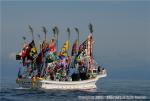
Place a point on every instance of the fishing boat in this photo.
(50, 69)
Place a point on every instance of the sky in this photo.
(121, 32)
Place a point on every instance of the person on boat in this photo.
(44, 50)
(50, 71)
(99, 69)
(75, 76)
(71, 70)
(58, 75)
(103, 71)
(39, 63)
(63, 75)
(83, 72)
(19, 73)
(52, 76)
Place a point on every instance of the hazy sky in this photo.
(121, 32)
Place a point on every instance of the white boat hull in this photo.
(61, 85)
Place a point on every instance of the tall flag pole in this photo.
(45, 31)
(55, 41)
(31, 31)
(91, 28)
(39, 36)
(57, 33)
(39, 40)
(24, 38)
(77, 30)
(24, 41)
(54, 32)
(91, 43)
(68, 30)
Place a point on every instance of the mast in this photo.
(91, 46)
(91, 40)
(77, 31)
(45, 31)
(56, 32)
(24, 38)
(68, 30)
(31, 31)
(24, 41)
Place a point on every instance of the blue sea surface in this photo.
(120, 90)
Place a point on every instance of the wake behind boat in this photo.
(50, 69)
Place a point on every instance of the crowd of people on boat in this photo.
(50, 64)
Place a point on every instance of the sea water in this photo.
(119, 90)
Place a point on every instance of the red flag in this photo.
(74, 48)
(52, 46)
(24, 53)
